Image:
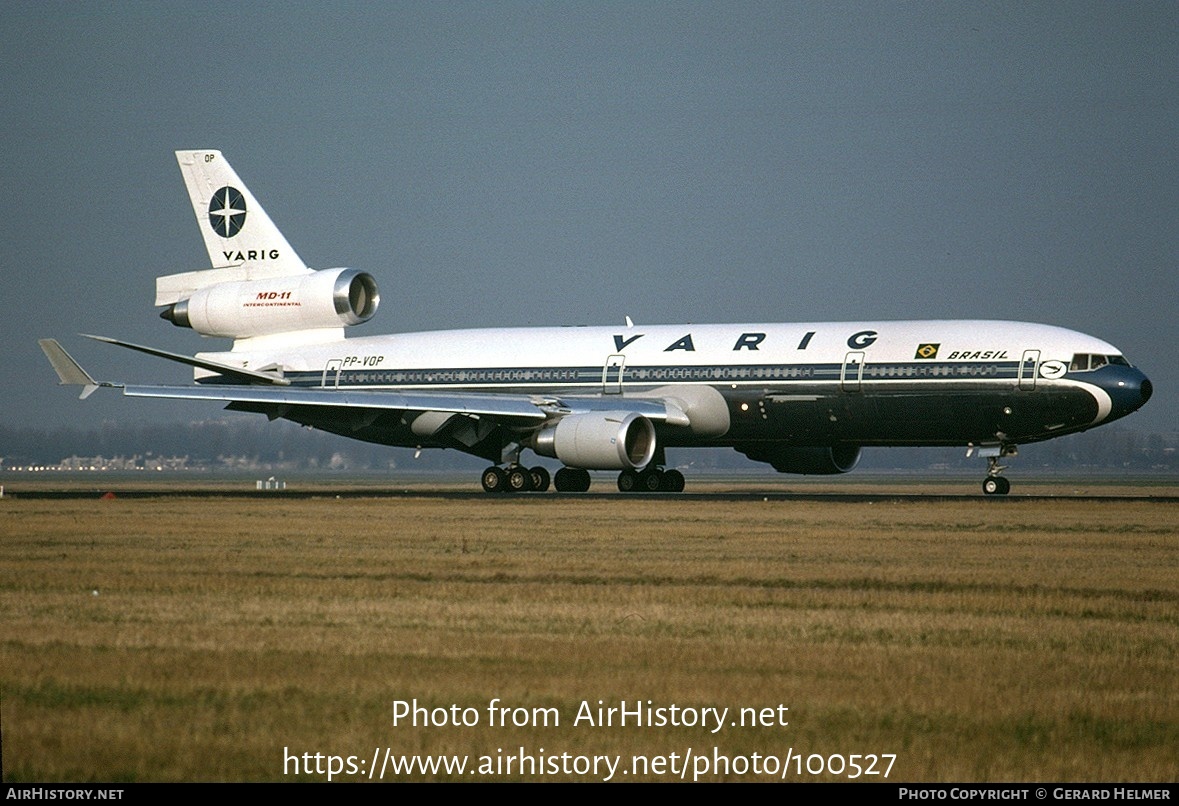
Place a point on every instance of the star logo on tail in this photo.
(227, 211)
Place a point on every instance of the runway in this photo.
(481, 497)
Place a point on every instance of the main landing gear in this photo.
(651, 480)
(515, 479)
(571, 480)
(520, 479)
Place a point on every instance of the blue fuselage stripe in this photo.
(775, 374)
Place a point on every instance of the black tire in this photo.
(540, 479)
(519, 480)
(628, 481)
(673, 481)
(996, 485)
(651, 481)
(571, 480)
(495, 480)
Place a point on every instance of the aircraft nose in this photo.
(1129, 391)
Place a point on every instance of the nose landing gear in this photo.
(995, 484)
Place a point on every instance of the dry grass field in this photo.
(181, 638)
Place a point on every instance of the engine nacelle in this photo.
(806, 461)
(610, 440)
(330, 298)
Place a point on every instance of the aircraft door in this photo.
(331, 374)
(852, 372)
(1028, 367)
(612, 375)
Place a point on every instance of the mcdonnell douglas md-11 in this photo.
(804, 398)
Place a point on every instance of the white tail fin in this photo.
(235, 227)
(243, 243)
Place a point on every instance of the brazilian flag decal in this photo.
(927, 350)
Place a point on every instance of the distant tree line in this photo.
(225, 442)
(242, 442)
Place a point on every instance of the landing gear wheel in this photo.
(996, 485)
(519, 480)
(628, 480)
(571, 480)
(495, 480)
(651, 480)
(673, 481)
(540, 479)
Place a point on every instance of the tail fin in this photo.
(243, 243)
(235, 227)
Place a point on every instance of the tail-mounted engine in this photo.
(330, 298)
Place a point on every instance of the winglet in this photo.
(68, 370)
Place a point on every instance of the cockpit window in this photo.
(1084, 362)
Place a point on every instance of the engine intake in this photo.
(611, 440)
(330, 298)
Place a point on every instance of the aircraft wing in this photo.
(239, 373)
(514, 406)
(520, 409)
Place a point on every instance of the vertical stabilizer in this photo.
(236, 229)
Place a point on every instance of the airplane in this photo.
(804, 398)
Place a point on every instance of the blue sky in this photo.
(558, 163)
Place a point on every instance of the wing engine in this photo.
(599, 440)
